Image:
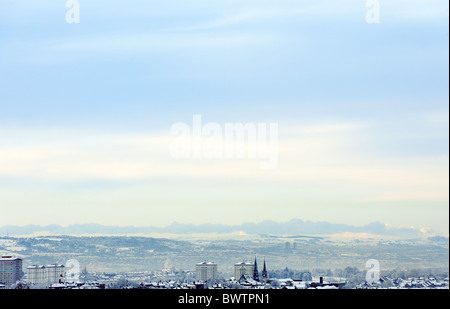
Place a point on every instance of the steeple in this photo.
(264, 272)
(255, 271)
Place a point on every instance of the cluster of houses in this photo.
(245, 282)
(410, 283)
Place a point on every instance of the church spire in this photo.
(264, 272)
(255, 271)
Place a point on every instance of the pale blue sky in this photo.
(86, 111)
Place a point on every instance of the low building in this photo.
(77, 286)
(323, 284)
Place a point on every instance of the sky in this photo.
(362, 111)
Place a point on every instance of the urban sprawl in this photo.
(205, 276)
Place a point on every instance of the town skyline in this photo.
(264, 263)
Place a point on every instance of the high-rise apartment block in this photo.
(206, 271)
(243, 269)
(10, 269)
(52, 273)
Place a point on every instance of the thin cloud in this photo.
(154, 42)
(240, 18)
(324, 128)
(129, 157)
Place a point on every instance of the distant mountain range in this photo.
(293, 227)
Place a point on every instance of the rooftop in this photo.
(35, 267)
(54, 266)
(8, 258)
(206, 263)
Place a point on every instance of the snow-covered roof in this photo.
(58, 285)
(206, 263)
(244, 264)
(9, 258)
(327, 287)
(36, 267)
(55, 266)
